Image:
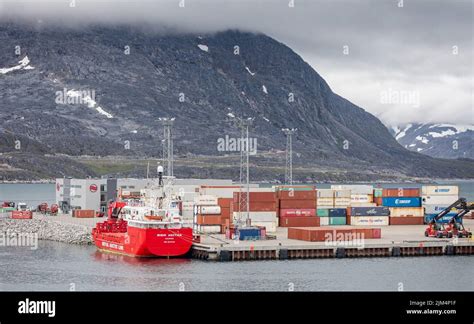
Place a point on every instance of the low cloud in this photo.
(424, 46)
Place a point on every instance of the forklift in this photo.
(453, 228)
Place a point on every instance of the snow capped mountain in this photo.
(437, 140)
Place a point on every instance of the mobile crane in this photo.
(439, 230)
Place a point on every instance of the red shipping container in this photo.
(224, 202)
(378, 201)
(258, 196)
(297, 204)
(401, 192)
(297, 212)
(332, 233)
(299, 221)
(83, 213)
(406, 220)
(209, 220)
(225, 212)
(18, 214)
(298, 195)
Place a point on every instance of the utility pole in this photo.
(168, 158)
(289, 155)
(244, 201)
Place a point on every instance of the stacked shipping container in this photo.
(404, 204)
(263, 208)
(436, 198)
(298, 206)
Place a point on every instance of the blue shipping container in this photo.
(251, 233)
(370, 211)
(337, 212)
(445, 219)
(401, 201)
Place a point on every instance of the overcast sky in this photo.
(403, 64)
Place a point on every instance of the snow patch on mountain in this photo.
(248, 70)
(403, 132)
(91, 103)
(204, 48)
(437, 140)
(24, 64)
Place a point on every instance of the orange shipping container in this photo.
(225, 212)
(292, 221)
(298, 204)
(298, 195)
(401, 192)
(224, 202)
(406, 220)
(209, 220)
(83, 213)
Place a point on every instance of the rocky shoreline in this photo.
(50, 230)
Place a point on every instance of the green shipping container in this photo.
(337, 221)
(322, 212)
(378, 192)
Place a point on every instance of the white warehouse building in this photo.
(95, 193)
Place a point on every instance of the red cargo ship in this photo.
(140, 231)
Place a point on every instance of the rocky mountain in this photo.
(437, 140)
(99, 91)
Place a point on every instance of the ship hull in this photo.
(146, 242)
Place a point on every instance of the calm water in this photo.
(55, 266)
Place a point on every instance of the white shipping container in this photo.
(205, 200)
(362, 198)
(406, 211)
(434, 209)
(342, 202)
(188, 204)
(323, 221)
(439, 200)
(186, 214)
(208, 229)
(325, 193)
(219, 192)
(356, 189)
(210, 210)
(270, 227)
(439, 190)
(370, 220)
(342, 193)
(325, 201)
(356, 204)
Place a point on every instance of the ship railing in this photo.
(106, 227)
(154, 224)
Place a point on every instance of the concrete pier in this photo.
(396, 241)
